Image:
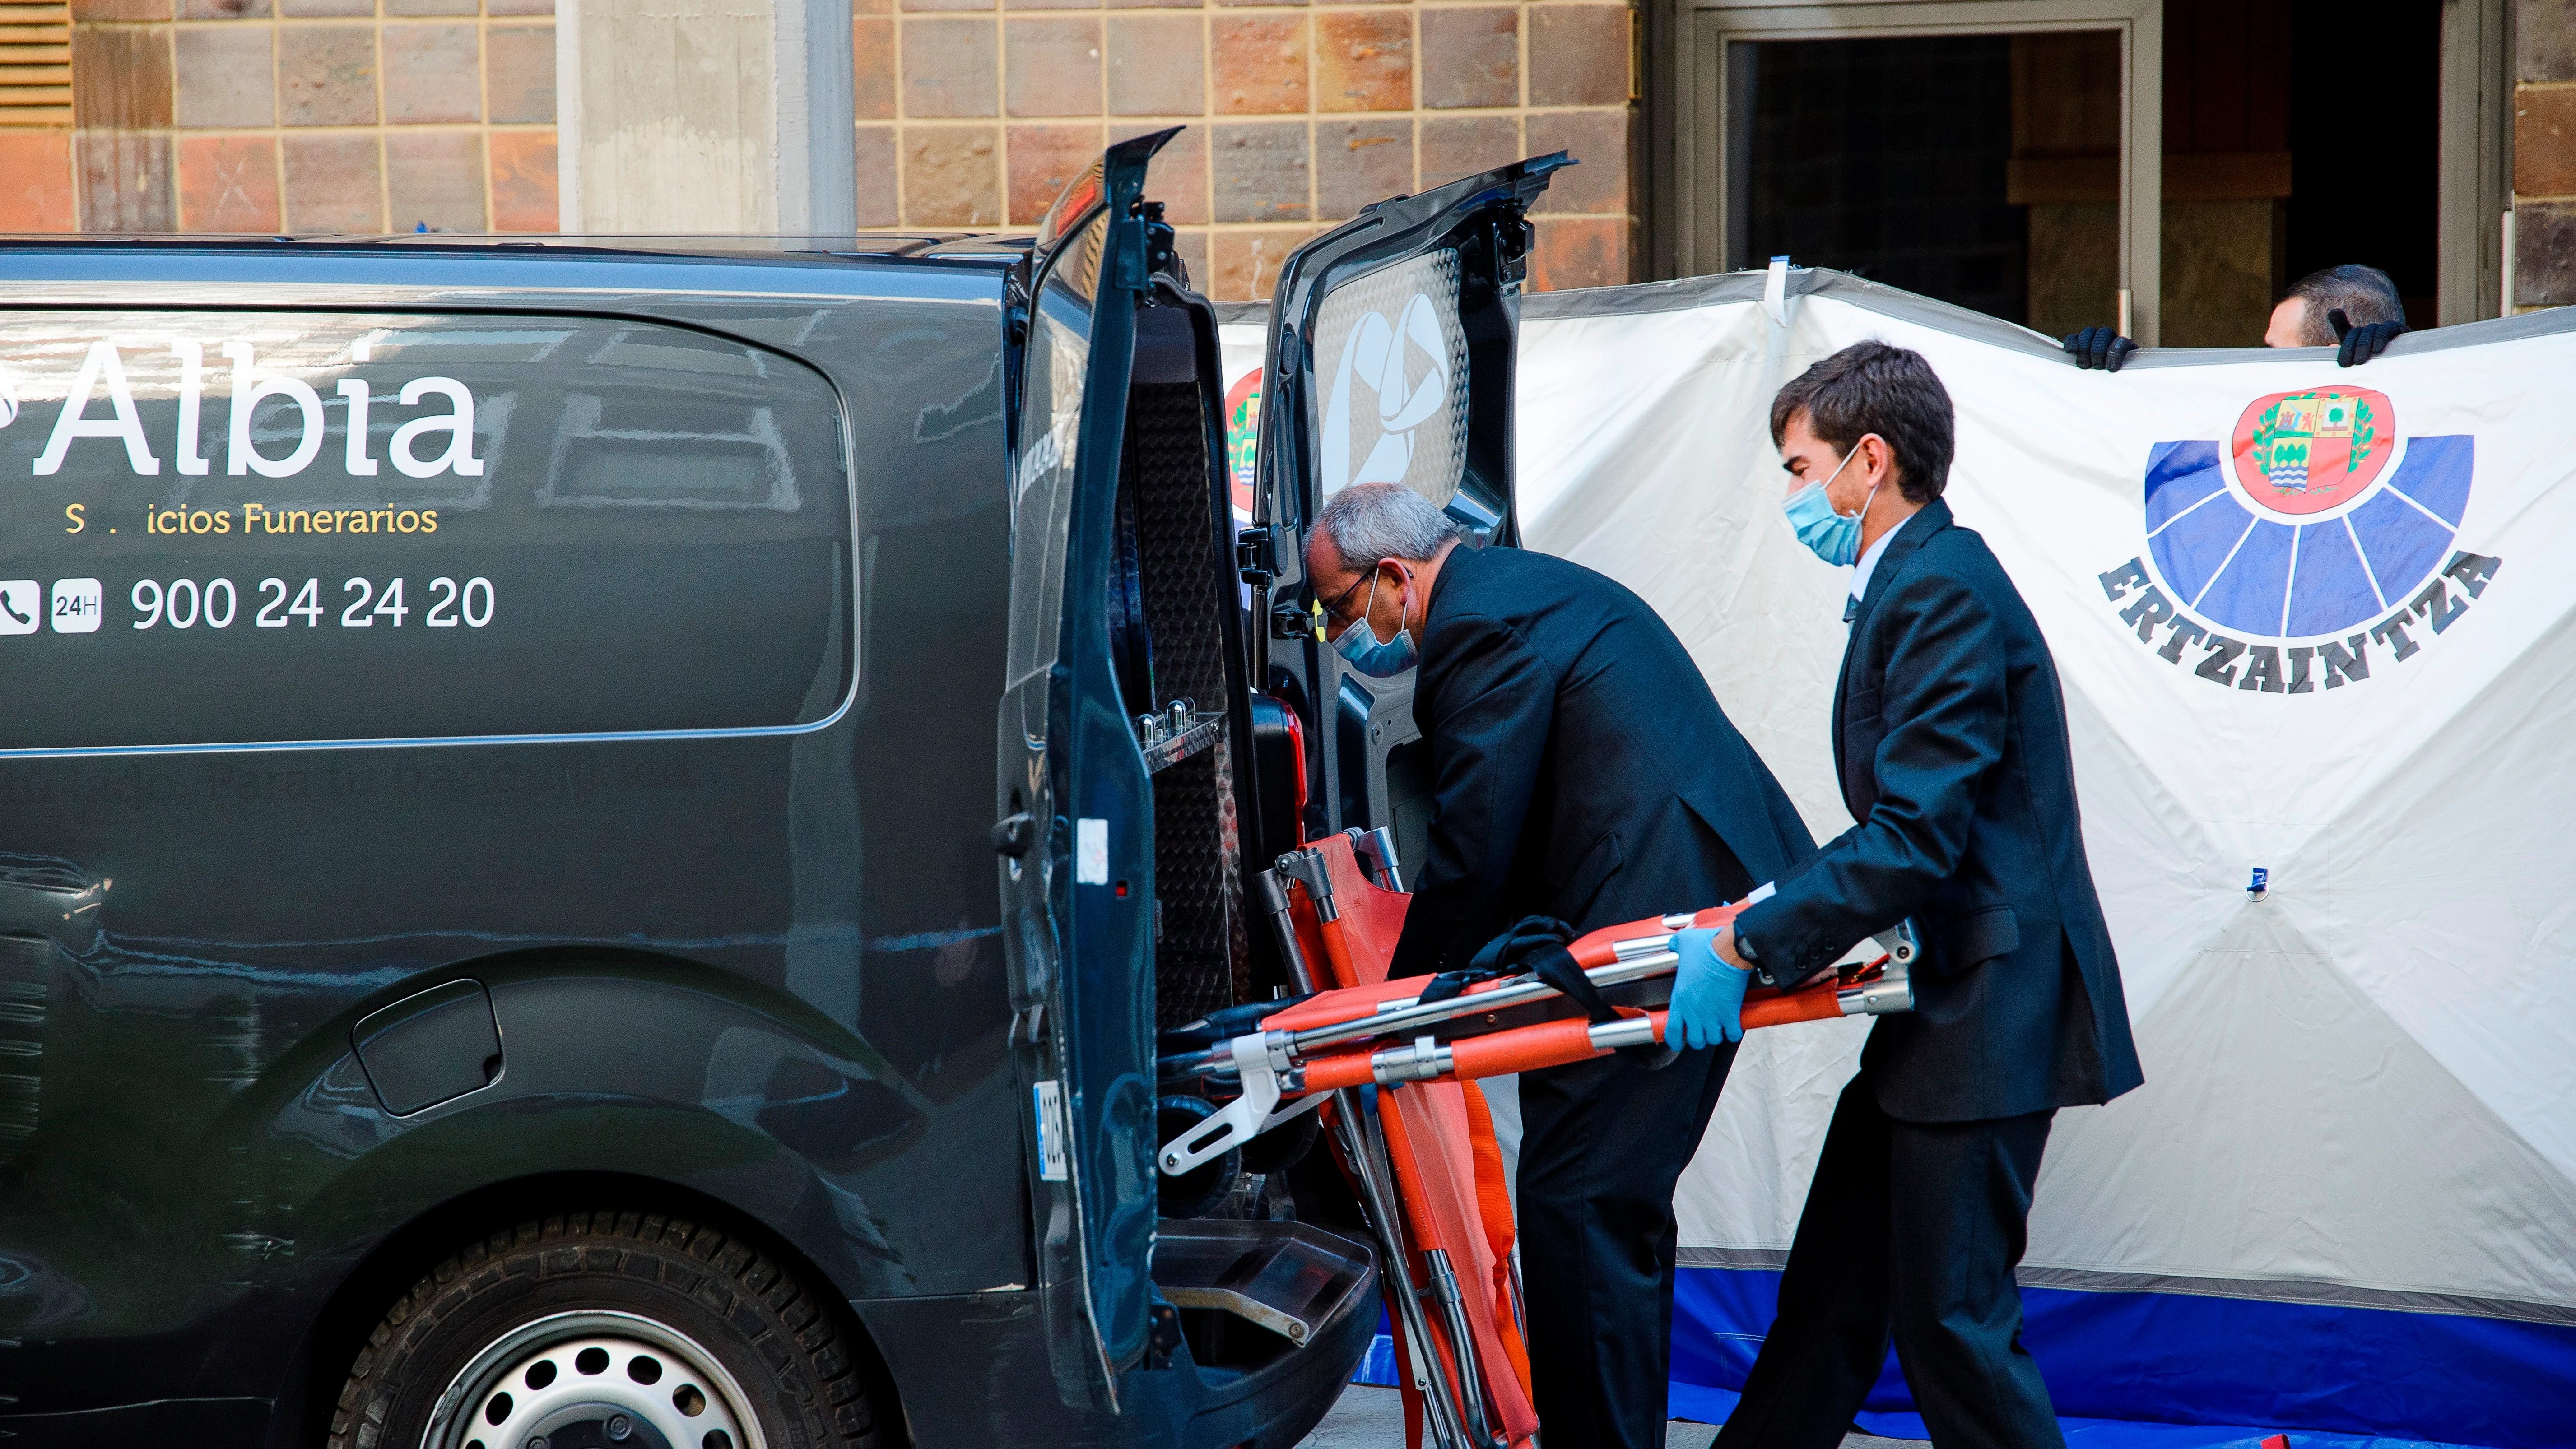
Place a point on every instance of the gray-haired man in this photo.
(1581, 769)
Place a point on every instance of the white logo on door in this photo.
(1405, 366)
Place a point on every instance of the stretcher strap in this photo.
(1504, 953)
(1494, 1208)
(1537, 944)
(1556, 966)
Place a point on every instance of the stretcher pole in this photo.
(1293, 1055)
(1431, 1378)
(1362, 1148)
(1528, 1048)
(1453, 1310)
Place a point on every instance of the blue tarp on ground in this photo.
(2225, 1371)
(1711, 1406)
(2213, 1367)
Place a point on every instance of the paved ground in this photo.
(1368, 1418)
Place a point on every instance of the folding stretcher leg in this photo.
(1433, 1383)
(1364, 1154)
(1461, 1348)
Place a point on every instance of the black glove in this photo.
(2362, 343)
(2099, 347)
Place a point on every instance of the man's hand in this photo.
(2362, 343)
(1708, 994)
(2099, 347)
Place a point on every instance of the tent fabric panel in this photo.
(2293, 1132)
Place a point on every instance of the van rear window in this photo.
(239, 529)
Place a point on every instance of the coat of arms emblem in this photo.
(2305, 452)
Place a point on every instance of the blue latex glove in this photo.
(1708, 994)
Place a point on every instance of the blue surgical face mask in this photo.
(1833, 537)
(1359, 646)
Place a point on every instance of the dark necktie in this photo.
(1851, 608)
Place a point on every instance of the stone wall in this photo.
(296, 115)
(974, 117)
(2544, 155)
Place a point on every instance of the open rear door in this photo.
(1075, 830)
(1390, 361)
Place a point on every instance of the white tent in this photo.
(2346, 1198)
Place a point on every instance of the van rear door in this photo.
(1390, 361)
(1075, 831)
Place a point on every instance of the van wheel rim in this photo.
(576, 1380)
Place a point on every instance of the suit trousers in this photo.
(1602, 1143)
(1911, 1230)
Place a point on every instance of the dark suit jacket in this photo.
(1581, 767)
(1950, 738)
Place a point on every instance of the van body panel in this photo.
(697, 813)
(983, 1345)
(762, 966)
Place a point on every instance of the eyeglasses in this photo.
(1333, 610)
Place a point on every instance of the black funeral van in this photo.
(595, 836)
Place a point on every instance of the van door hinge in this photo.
(1013, 834)
(1162, 1334)
(1029, 1024)
(1254, 557)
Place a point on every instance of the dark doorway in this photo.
(1887, 158)
(2365, 84)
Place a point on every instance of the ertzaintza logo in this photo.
(2317, 540)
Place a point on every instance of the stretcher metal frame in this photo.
(1277, 1063)
(1329, 1045)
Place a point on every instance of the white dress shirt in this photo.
(1869, 563)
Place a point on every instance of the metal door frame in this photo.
(1689, 132)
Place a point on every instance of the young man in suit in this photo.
(1582, 770)
(1950, 739)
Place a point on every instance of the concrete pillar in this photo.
(705, 116)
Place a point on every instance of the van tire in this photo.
(781, 1341)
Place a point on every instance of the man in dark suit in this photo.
(1582, 770)
(1950, 739)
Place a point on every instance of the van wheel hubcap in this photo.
(596, 1380)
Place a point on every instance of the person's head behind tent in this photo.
(2363, 294)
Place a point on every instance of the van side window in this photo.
(321, 528)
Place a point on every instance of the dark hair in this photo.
(1871, 387)
(2362, 294)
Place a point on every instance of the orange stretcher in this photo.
(1420, 1149)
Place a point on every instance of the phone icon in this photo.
(21, 606)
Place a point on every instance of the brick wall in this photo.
(296, 115)
(1298, 115)
(2544, 154)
